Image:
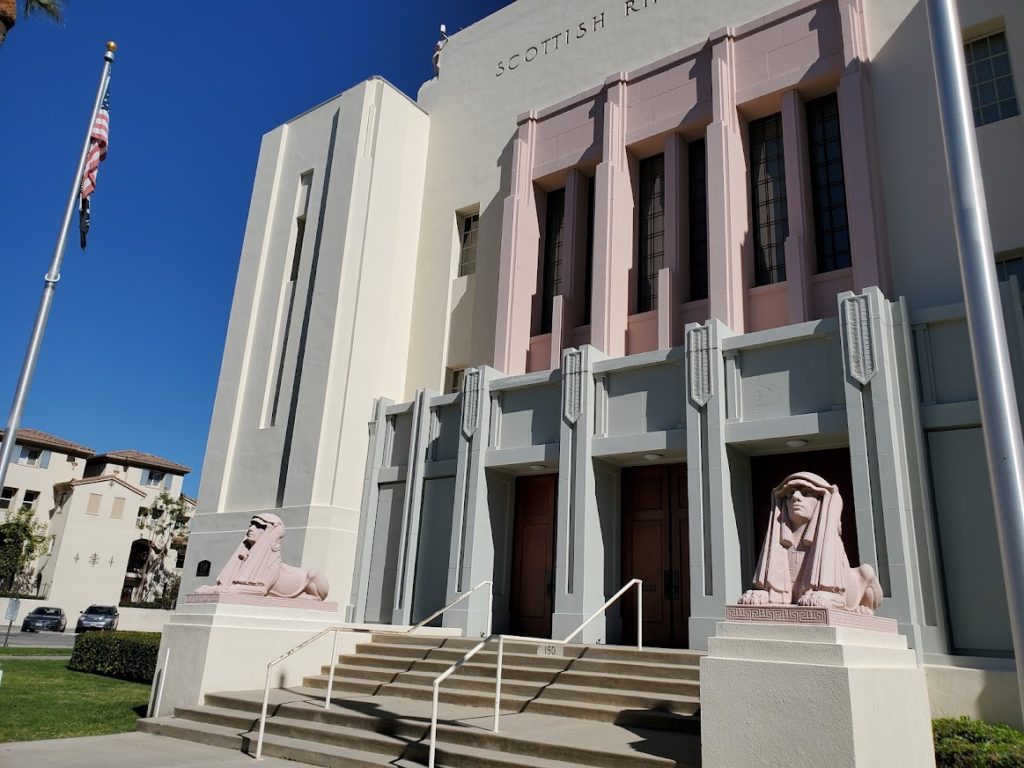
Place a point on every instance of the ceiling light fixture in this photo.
(798, 443)
(537, 467)
(652, 456)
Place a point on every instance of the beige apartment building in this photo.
(90, 505)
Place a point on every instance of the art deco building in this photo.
(617, 271)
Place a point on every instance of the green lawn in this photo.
(26, 651)
(44, 700)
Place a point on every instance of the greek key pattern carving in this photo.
(471, 402)
(798, 614)
(698, 351)
(572, 385)
(860, 348)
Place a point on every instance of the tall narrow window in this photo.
(768, 200)
(554, 236)
(651, 234)
(990, 79)
(469, 225)
(588, 267)
(831, 229)
(698, 216)
(7, 496)
(287, 304)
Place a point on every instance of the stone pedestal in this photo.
(221, 645)
(812, 693)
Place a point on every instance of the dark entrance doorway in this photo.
(655, 548)
(533, 556)
(833, 465)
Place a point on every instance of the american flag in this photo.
(98, 140)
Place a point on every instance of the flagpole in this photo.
(50, 283)
(1000, 420)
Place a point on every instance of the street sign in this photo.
(13, 606)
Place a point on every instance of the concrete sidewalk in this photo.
(126, 750)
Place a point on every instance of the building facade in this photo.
(95, 512)
(620, 269)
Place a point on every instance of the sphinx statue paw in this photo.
(817, 599)
(754, 597)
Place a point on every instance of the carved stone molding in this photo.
(798, 614)
(572, 385)
(698, 352)
(860, 348)
(471, 402)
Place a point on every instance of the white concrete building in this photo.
(618, 270)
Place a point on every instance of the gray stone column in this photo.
(883, 501)
(715, 555)
(472, 549)
(413, 503)
(580, 547)
(355, 611)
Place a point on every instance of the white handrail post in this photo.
(330, 675)
(490, 606)
(497, 681)
(639, 614)
(263, 713)
(433, 728)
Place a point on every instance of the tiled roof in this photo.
(140, 459)
(35, 437)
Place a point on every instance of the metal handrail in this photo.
(638, 583)
(334, 651)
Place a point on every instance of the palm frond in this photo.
(54, 9)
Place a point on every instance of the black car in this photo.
(44, 618)
(97, 617)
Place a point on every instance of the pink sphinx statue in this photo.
(803, 560)
(256, 567)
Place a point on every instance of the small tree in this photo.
(22, 540)
(163, 525)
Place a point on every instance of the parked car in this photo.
(45, 618)
(97, 617)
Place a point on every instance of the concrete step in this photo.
(391, 721)
(484, 664)
(525, 681)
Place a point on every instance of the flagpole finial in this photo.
(111, 46)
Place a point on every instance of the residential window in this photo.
(651, 232)
(154, 477)
(1013, 264)
(93, 507)
(469, 228)
(117, 510)
(7, 496)
(698, 219)
(768, 200)
(990, 79)
(30, 499)
(179, 558)
(30, 457)
(831, 228)
(554, 237)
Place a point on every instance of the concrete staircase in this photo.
(593, 706)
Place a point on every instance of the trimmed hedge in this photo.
(125, 655)
(961, 742)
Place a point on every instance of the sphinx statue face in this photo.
(801, 503)
(256, 528)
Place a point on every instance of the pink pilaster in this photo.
(666, 309)
(864, 202)
(613, 229)
(520, 241)
(799, 245)
(558, 337)
(727, 198)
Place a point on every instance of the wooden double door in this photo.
(531, 601)
(655, 548)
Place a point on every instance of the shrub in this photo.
(961, 742)
(126, 655)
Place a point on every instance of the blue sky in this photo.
(134, 342)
